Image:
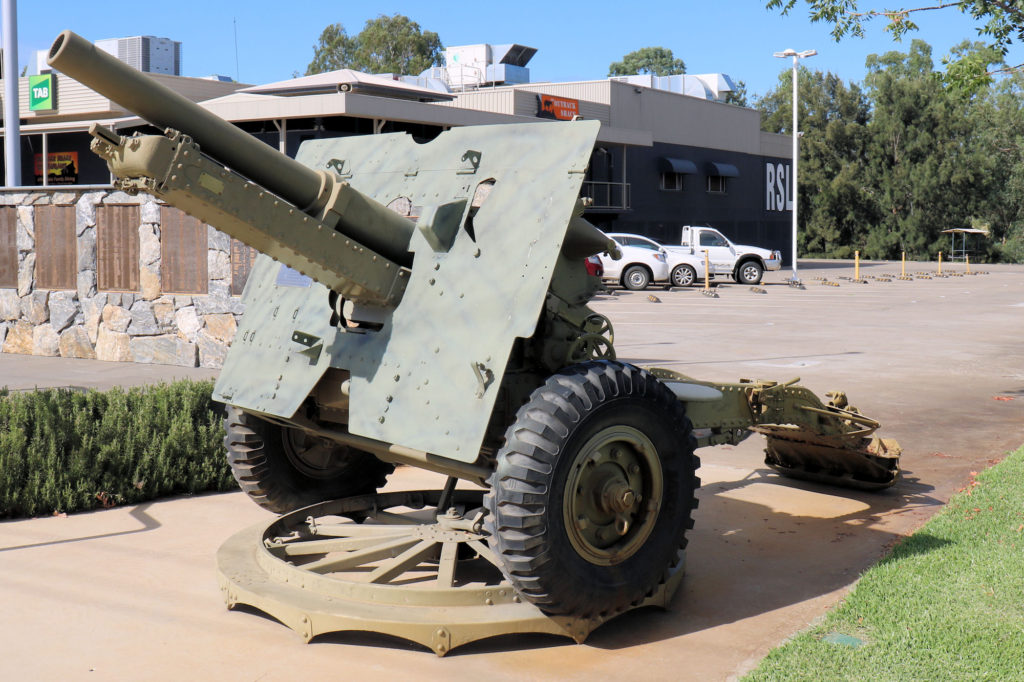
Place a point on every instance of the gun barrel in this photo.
(78, 58)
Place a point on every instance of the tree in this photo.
(394, 44)
(657, 61)
(738, 96)
(835, 202)
(1003, 21)
(333, 51)
(924, 156)
(996, 115)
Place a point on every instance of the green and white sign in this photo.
(42, 93)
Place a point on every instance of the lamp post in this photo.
(797, 56)
(12, 131)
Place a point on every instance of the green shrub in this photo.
(64, 451)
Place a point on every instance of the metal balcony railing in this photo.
(607, 196)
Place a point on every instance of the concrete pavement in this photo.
(131, 594)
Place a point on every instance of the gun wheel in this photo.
(283, 469)
(593, 490)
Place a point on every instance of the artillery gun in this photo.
(426, 304)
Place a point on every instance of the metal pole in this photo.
(796, 156)
(12, 124)
(796, 144)
(46, 160)
(707, 271)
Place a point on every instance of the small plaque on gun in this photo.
(286, 277)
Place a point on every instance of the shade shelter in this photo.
(962, 252)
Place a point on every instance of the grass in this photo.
(65, 451)
(947, 604)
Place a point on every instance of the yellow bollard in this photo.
(707, 272)
(856, 265)
(968, 259)
(903, 265)
(940, 262)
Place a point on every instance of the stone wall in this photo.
(142, 326)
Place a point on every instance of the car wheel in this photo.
(636, 278)
(750, 272)
(683, 275)
(593, 491)
(283, 469)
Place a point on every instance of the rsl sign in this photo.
(778, 188)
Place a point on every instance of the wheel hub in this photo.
(613, 494)
(314, 457)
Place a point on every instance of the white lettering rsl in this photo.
(778, 196)
(782, 185)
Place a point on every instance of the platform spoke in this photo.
(307, 547)
(361, 557)
(446, 564)
(345, 530)
(485, 552)
(404, 561)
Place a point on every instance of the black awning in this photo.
(725, 170)
(681, 166)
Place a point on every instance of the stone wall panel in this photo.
(112, 346)
(45, 341)
(123, 326)
(75, 343)
(19, 338)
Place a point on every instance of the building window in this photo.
(117, 248)
(672, 182)
(716, 184)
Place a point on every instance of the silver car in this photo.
(684, 269)
(639, 266)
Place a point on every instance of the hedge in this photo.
(63, 450)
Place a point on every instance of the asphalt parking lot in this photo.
(131, 593)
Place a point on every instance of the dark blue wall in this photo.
(741, 213)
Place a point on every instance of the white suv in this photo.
(639, 266)
(684, 269)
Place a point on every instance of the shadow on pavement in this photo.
(746, 559)
(139, 513)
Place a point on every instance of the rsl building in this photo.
(86, 271)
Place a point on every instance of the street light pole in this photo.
(12, 129)
(797, 56)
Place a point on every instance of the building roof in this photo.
(349, 80)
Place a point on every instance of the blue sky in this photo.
(574, 41)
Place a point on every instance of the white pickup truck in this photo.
(745, 264)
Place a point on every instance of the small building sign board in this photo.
(560, 108)
(42, 93)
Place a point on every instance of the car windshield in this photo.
(711, 239)
(637, 241)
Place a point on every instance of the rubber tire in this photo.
(743, 276)
(683, 275)
(258, 461)
(640, 273)
(525, 500)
